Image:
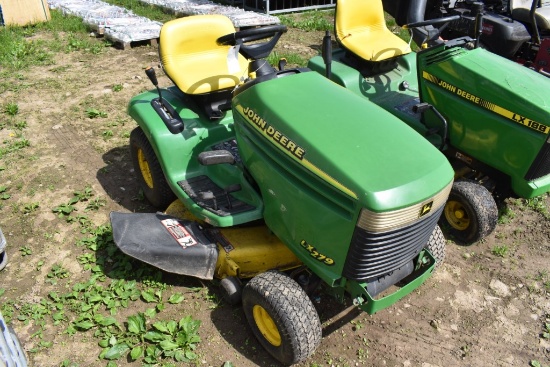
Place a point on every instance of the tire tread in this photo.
(161, 195)
(293, 311)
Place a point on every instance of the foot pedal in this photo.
(203, 191)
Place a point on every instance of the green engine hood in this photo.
(488, 80)
(498, 112)
(350, 143)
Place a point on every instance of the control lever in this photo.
(169, 116)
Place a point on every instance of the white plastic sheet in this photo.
(117, 23)
(120, 24)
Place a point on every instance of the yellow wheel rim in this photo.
(266, 325)
(456, 215)
(144, 168)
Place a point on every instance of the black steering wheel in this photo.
(258, 50)
(431, 22)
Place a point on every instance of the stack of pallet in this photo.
(115, 23)
(124, 27)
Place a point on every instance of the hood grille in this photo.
(372, 255)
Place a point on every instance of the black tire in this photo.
(436, 246)
(149, 172)
(232, 290)
(470, 213)
(282, 317)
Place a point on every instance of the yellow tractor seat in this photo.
(361, 29)
(193, 60)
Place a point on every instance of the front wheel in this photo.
(231, 290)
(470, 212)
(150, 176)
(282, 317)
(436, 246)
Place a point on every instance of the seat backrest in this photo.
(360, 27)
(358, 14)
(193, 60)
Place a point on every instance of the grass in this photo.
(20, 50)
(310, 21)
(545, 334)
(538, 204)
(117, 87)
(145, 10)
(500, 251)
(292, 59)
(505, 215)
(402, 33)
(91, 307)
(95, 113)
(11, 109)
(13, 145)
(17, 52)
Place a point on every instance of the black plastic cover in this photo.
(143, 236)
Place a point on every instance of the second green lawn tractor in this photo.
(489, 115)
(517, 29)
(280, 180)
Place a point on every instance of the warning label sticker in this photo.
(178, 231)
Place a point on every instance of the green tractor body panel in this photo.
(384, 90)
(498, 112)
(178, 153)
(304, 151)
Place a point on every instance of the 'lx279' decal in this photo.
(316, 254)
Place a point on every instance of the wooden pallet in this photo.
(127, 45)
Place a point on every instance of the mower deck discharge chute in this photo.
(281, 177)
(488, 114)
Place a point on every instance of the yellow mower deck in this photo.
(244, 251)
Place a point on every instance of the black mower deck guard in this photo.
(179, 246)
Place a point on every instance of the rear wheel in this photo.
(470, 212)
(282, 317)
(149, 172)
(436, 246)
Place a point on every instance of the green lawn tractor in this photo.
(517, 29)
(281, 180)
(489, 115)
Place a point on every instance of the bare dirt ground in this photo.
(486, 306)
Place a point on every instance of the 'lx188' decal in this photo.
(315, 254)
